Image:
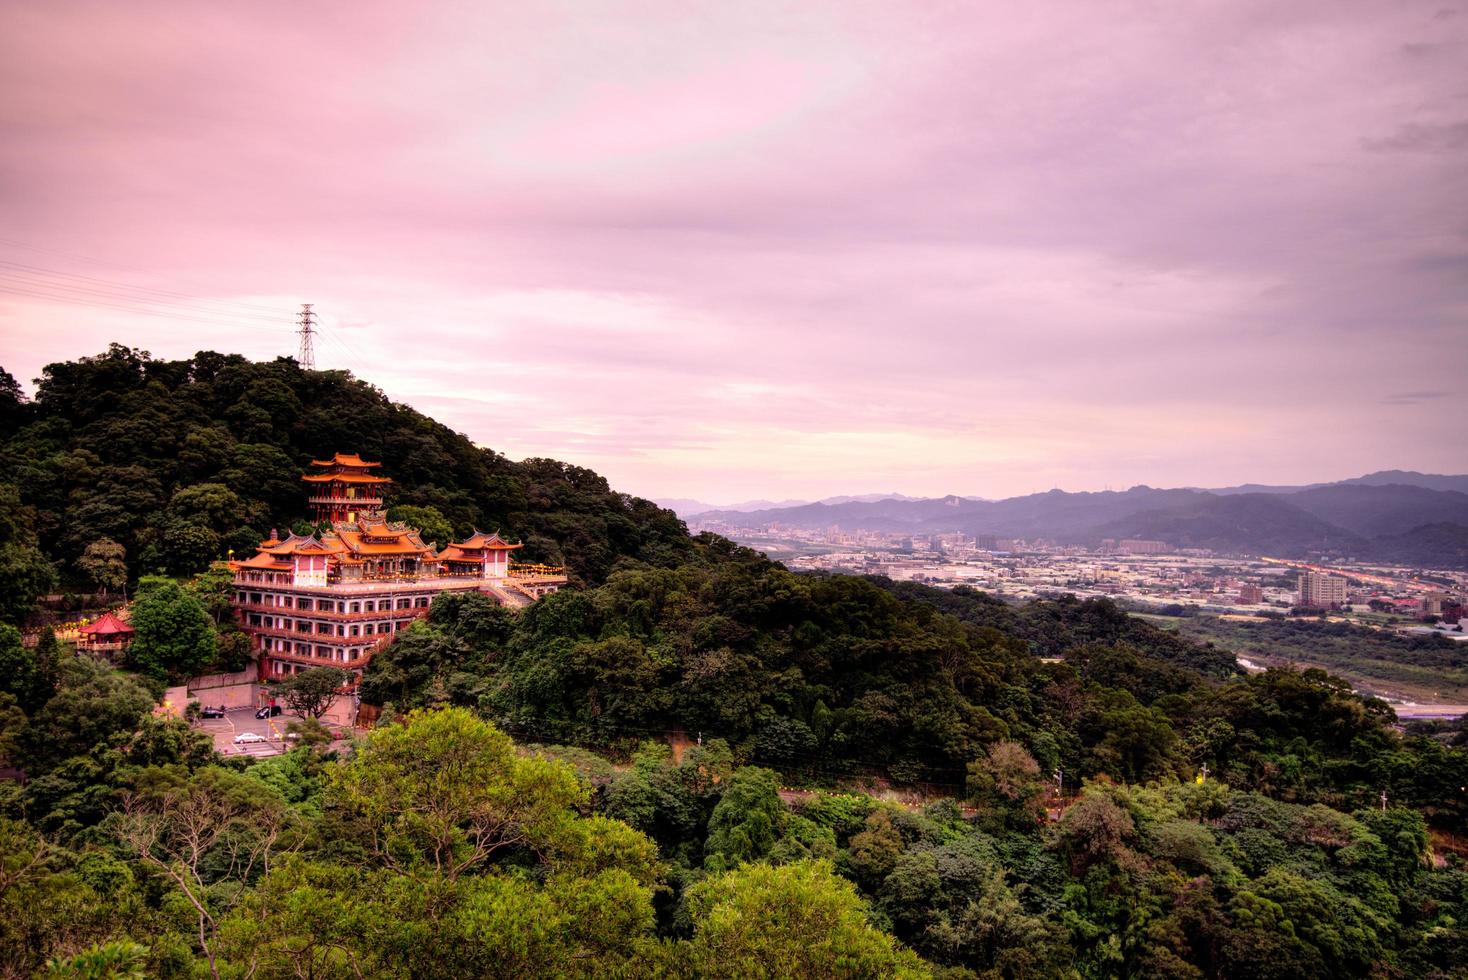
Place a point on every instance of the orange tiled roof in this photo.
(264, 560)
(404, 540)
(479, 541)
(343, 459)
(344, 478)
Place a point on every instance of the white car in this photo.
(247, 738)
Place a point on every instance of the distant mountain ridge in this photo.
(1365, 518)
(685, 507)
(1409, 478)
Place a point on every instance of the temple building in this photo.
(333, 598)
(345, 488)
(107, 636)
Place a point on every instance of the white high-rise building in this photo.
(1322, 591)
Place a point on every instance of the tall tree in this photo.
(746, 821)
(104, 562)
(25, 574)
(447, 791)
(220, 827)
(174, 635)
(311, 693)
(1006, 783)
(797, 920)
(20, 673)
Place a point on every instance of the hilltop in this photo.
(180, 461)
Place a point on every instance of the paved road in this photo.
(238, 720)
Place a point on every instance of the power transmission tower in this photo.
(307, 356)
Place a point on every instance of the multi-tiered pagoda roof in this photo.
(345, 489)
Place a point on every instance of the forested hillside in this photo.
(519, 810)
(182, 461)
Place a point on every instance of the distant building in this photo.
(1440, 604)
(1141, 546)
(1321, 591)
(1250, 595)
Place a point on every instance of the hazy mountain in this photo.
(1256, 523)
(884, 514)
(867, 498)
(685, 507)
(696, 508)
(1408, 478)
(1411, 478)
(1433, 545)
(1060, 515)
(1377, 510)
(1363, 518)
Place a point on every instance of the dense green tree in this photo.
(13, 724)
(446, 791)
(219, 827)
(50, 905)
(1007, 783)
(797, 920)
(25, 574)
(93, 705)
(214, 588)
(173, 634)
(186, 547)
(117, 960)
(20, 671)
(747, 820)
(210, 505)
(312, 692)
(104, 563)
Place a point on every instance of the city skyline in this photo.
(774, 251)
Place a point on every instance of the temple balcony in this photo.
(529, 571)
(331, 614)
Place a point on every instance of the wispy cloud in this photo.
(769, 249)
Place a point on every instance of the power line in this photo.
(186, 316)
(12, 282)
(130, 287)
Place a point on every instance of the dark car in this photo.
(209, 711)
(269, 711)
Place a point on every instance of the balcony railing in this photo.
(318, 639)
(537, 571)
(349, 503)
(333, 614)
(373, 585)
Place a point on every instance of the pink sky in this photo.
(745, 249)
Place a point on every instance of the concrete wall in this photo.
(236, 690)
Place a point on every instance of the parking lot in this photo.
(239, 720)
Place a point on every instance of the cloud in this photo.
(755, 249)
(1423, 138)
(1413, 397)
